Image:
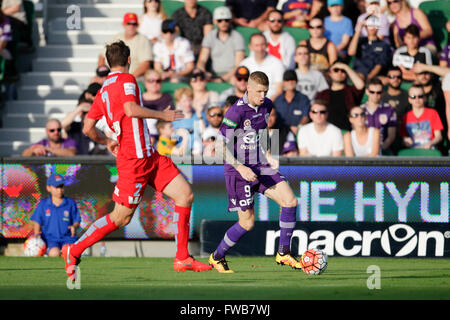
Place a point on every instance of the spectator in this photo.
(277, 133)
(224, 45)
(290, 147)
(404, 17)
(214, 116)
(372, 55)
(150, 22)
(15, 11)
(309, 81)
(168, 144)
(5, 37)
(73, 123)
(280, 44)
(54, 144)
(251, 14)
(341, 97)
(140, 48)
(322, 52)
(101, 73)
(202, 97)
(380, 115)
(260, 60)
(434, 99)
(193, 120)
(410, 53)
(194, 22)
(174, 57)
(395, 95)
(373, 9)
(422, 127)
(240, 81)
(292, 106)
(56, 217)
(362, 141)
(338, 28)
(229, 102)
(444, 57)
(320, 138)
(297, 13)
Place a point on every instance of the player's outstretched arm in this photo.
(134, 110)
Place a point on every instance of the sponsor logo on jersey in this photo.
(47, 213)
(129, 88)
(229, 123)
(247, 124)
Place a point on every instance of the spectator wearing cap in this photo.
(261, 60)
(54, 144)
(373, 9)
(141, 54)
(240, 81)
(194, 22)
(101, 73)
(338, 28)
(251, 14)
(292, 106)
(214, 116)
(150, 22)
(310, 81)
(174, 57)
(224, 46)
(372, 55)
(280, 43)
(56, 218)
(202, 97)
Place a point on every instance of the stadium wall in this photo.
(331, 191)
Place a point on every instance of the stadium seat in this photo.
(170, 6)
(415, 152)
(246, 32)
(171, 87)
(406, 85)
(299, 34)
(211, 5)
(438, 13)
(218, 86)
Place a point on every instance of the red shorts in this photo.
(135, 174)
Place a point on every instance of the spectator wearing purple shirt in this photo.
(444, 56)
(5, 36)
(54, 145)
(380, 115)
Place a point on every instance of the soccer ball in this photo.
(34, 247)
(314, 261)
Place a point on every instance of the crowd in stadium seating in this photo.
(369, 79)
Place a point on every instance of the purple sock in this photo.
(287, 225)
(232, 236)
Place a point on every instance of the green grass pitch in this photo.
(255, 278)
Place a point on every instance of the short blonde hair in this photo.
(259, 77)
(183, 91)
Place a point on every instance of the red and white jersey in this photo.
(133, 134)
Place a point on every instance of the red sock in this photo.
(97, 231)
(181, 217)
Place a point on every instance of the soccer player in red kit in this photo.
(138, 163)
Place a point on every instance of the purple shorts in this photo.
(241, 191)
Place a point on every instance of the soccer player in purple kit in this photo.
(249, 169)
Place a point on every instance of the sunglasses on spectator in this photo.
(242, 79)
(132, 24)
(153, 1)
(154, 80)
(168, 30)
(53, 130)
(393, 76)
(316, 27)
(393, 1)
(276, 20)
(216, 114)
(417, 97)
(198, 78)
(356, 115)
(375, 92)
(336, 70)
(319, 111)
(222, 20)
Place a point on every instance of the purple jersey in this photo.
(244, 125)
(65, 144)
(383, 117)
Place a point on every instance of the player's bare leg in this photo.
(119, 217)
(180, 191)
(245, 223)
(282, 194)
